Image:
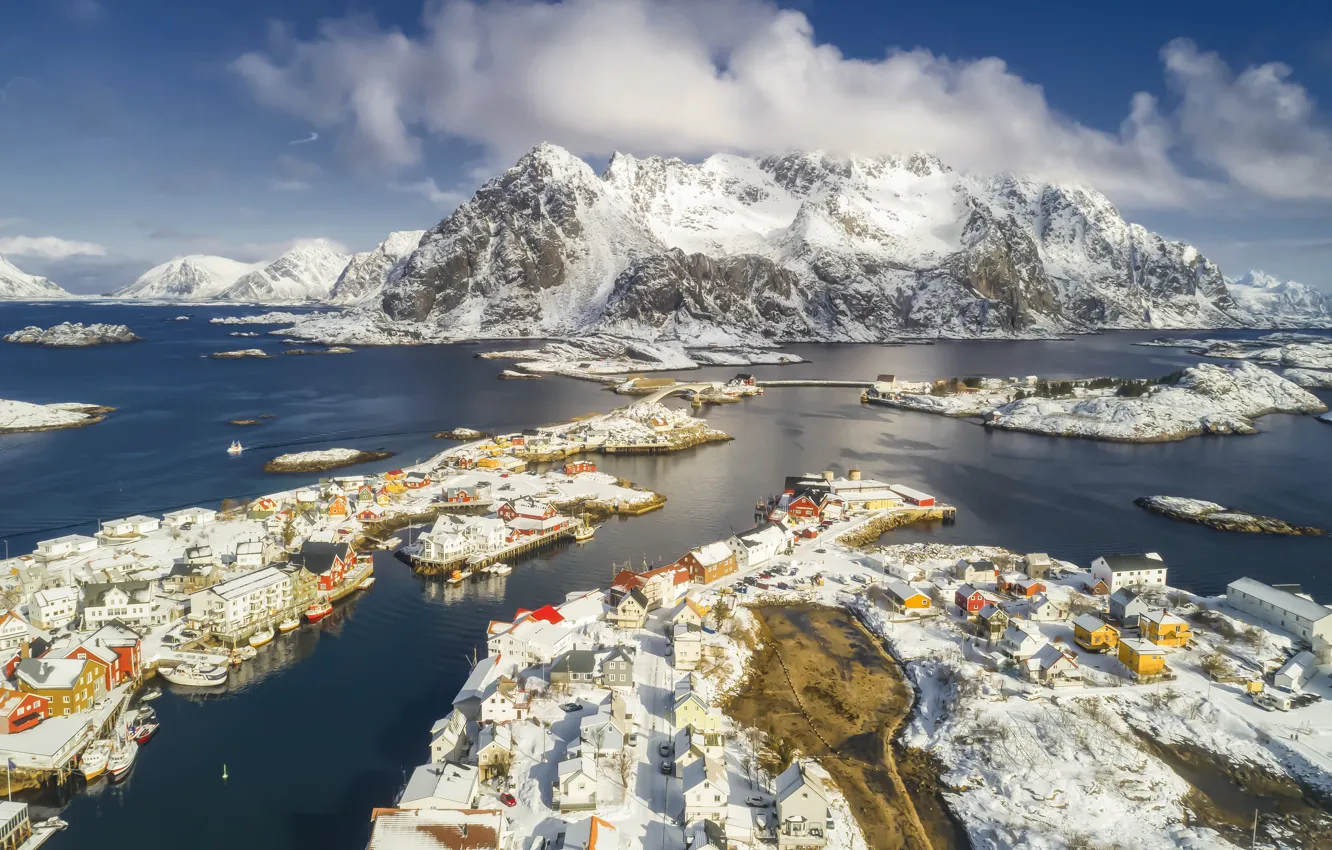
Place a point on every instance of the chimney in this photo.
(854, 475)
(25, 649)
(827, 475)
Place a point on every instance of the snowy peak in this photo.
(1272, 302)
(16, 285)
(364, 278)
(799, 246)
(305, 273)
(197, 277)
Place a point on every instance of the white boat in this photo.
(122, 757)
(92, 763)
(500, 569)
(584, 533)
(248, 653)
(150, 694)
(236, 448)
(366, 583)
(263, 637)
(196, 675)
(290, 624)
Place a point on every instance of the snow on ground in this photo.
(319, 457)
(273, 317)
(239, 353)
(25, 416)
(1310, 379)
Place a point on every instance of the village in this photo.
(190, 595)
(600, 720)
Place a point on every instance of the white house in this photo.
(1130, 570)
(448, 737)
(1296, 672)
(13, 631)
(486, 534)
(189, 516)
(576, 785)
(54, 607)
(601, 733)
(246, 600)
(592, 833)
(687, 643)
(705, 791)
(1051, 665)
(802, 806)
(249, 554)
(64, 547)
(1281, 609)
(1018, 643)
(441, 786)
(131, 602)
(504, 702)
(757, 546)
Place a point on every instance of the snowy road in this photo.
(654, 675)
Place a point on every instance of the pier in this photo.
(817, 382)
(476, 561)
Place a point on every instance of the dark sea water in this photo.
(325, 725)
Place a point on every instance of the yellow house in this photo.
(904, 597)
(690, 710)
(395, 486)
(1094, 635)
(1163, 628)
(488, 463)
(1143, 660)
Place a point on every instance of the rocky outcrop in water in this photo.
(76, 335)
(1219, 517)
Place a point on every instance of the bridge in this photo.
(682, 389)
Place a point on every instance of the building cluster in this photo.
(809, 500)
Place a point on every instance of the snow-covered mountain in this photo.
(801, 246)
(1273, 303)
(197, 277)
(305, 273)
(16, 285)
(363, 279)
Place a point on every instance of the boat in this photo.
(196, 675)
(318, 611)
(122, 757)
(235, 448)
(247, 653)
(391, 543)
(366, 583)
(144, 732)
(235, 658)
(144, 714)
(52, 823)
(500, 569)
(150, 694)
(584, 533)
(290, 624)
(262, 637)
(93, 762)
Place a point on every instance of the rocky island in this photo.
(318, 461)
(1220, 517)
(238, 355)
(21, 416)
(1202, 399)
(75, 335)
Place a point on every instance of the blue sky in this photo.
(134, 131)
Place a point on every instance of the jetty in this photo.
(817, 382)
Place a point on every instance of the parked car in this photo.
(571, 706)
(508, 799)
(666, 768)
(755, 800)
(665, 749)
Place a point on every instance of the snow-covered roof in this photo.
(1305, 609)
(1089, 622)
(793, 778)
(1163, 617)
(1128, 563)
(901, 590)
(437, 829)
(592, 833)
(248, 583)
(50, 673)
(712, 553)
(453, 783)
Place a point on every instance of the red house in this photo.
(546, 613)
(121, 646)
(1026, 587)
(22, 711)
(526, 508)
(573, 467)
(100, 657)
(969, 599)
(328, 562)
(35, 648)
(624, 582)
(803, 507)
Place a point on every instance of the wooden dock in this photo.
(421, 566)
(816, 382)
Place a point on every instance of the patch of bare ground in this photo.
(822, 685)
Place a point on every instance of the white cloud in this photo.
(691, 78)
(430, 190)
(48, 247)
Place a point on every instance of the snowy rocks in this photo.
(239, 354)
(305, 273)
(1219, 517)
(1204, 399)
(67, 335)
(366, 274)
(194, 278)
(316, 461)
(1310, 379)
(275, 317)
(19, 416)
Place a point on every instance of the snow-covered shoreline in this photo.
(322, 459)
(1218, 516)
(75, 335)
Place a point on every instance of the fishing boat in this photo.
(500, 569)
(54, 824)
(235, 448)
(366, 583)
(196, 675)
(93, 762)
(262, 637)
(318, 611)
(144, 732)
(150, 694)
(144, 714)
(290, 624)
(235, 659)
(247, 653)
(122, 757)
(584, 533)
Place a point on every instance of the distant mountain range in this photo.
(17, 286)
(805, 246)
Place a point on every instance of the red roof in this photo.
(626, 579)
(548, 614)
(679, 574)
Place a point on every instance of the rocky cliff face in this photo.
(305, 273)
(367, 273)
(802, 246)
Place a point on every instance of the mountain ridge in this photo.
(17, 285)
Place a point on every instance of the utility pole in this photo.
(1253, 840)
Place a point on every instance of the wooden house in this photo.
(1096, 587)
(337, 507)
(630, 612)
(973, 572)
(1144, 660)
(1053, 666)
(709, 563)
(905, 599)
(803, 507)
(576, 467)
(1026, 588)
(329, 563)
(70, 684)
(1094, 635)
(969, 599)
(991, 621)
(20, 711)
(1164, 628)
(1037, 565)
(1125, 605)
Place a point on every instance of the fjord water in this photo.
(326, 723)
